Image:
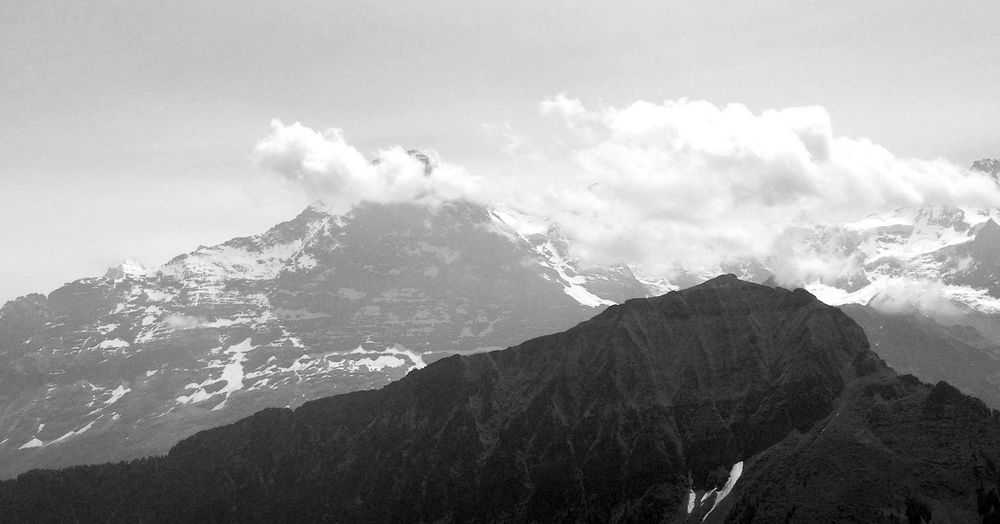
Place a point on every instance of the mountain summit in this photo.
(727, 401)
(126, 365)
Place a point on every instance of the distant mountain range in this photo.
(726, 402)
(126, 365)
(960, 248)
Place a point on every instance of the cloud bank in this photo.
(678, 185)
(692, 183)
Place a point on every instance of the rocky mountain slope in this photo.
(127, 364)
(926, 348)
(729, 401)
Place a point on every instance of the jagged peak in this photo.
(127, 268)
(430, 159)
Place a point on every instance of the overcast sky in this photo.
(128, 128)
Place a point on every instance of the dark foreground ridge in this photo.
(728, 401)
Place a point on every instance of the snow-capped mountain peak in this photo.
(321, 304)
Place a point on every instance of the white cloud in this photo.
(326, 167)
(691, 184)
(671, 185)
(928, 297)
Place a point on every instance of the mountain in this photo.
(127, 364)
(926, 289)
(924, 347)
(728, 401)
(954, 246)
(841, 263)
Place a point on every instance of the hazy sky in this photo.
(126, 128)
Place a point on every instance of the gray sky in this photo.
(126, 128)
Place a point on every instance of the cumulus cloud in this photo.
(678, 185)
(326, 167)
(691, 183)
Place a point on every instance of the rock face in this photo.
(127, 364)
(727, 401)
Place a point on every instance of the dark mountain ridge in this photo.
(640, 414)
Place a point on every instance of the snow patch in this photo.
(416, 358)
(195, 397)
(117, 394)
(734, 475)
(512, 222)
(113, 343)
(131, 267)
(257, 261)
(232, 373)
(571, 284)
(376, 364)
(33, 443)
(226, 322)
(106, 328)
(899, 217)
(74, 433)
(182, 322)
